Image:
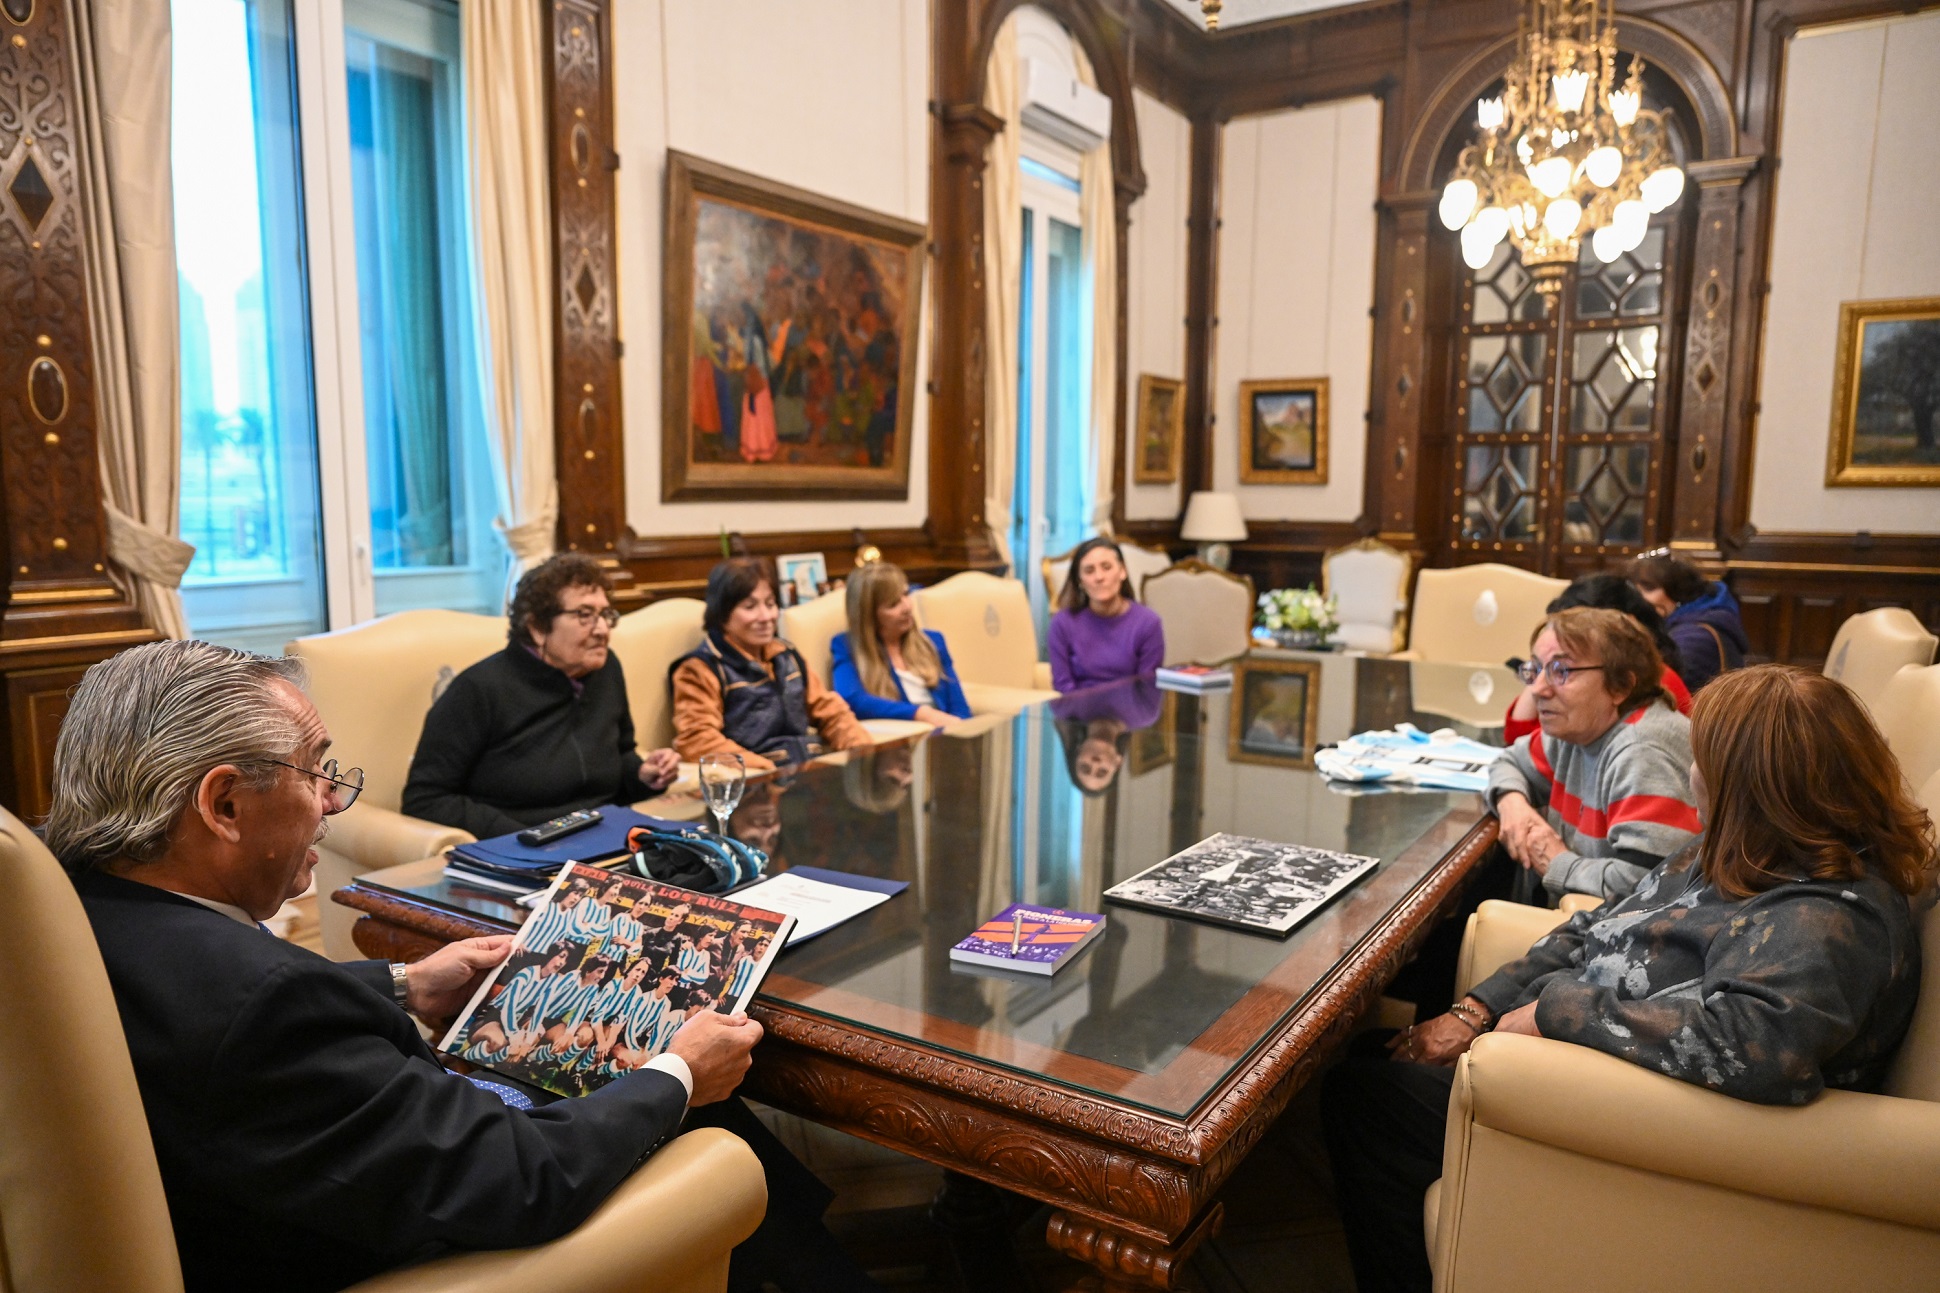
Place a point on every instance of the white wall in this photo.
(827, 95)
(1155, 293)
(1296, 281)
(1857, 196)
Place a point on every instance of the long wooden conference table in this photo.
(1125, 1089)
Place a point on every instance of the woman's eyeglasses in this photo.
(345, 785)
(585, 616)
(1559, 671)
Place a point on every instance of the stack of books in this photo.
(1195, 677)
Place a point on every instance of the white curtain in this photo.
(121, 54)
(505, 110)
(1097, 200)
(1003, 259)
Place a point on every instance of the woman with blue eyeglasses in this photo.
(541, 728)
(1594, 799)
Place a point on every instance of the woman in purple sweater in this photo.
(1101, 634)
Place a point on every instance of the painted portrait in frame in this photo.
(1276, 712)
(1283, 432)
(1161, 424)
(790, 327)
(1886, 394)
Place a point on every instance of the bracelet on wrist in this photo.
(1474, 1016)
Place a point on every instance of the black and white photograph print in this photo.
(1242, 882)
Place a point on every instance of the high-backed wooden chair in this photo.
(1873, 646)
(1842, 1193)
(373, 685)
(1207, 612)
(1480, 614)
(81, 1202)
(1368, 581)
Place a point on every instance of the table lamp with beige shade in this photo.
(1213, 521)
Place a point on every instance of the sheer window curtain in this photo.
(1097, 199)
(505, 114)
(121, 50)
(1003, 241)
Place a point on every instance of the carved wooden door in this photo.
(1562, 411)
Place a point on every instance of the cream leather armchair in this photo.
(1873, 646)
(987, 622)
(1207, 612)
(81, 1203)
(1566, 1167)
(1480, 614)
(647, 642)
(373, 684)
(1908, 714)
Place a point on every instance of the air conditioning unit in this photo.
(1059, 105)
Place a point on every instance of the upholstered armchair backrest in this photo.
(1908, 714)
(81, 1204)
(812, 626)
(987, 623)
(1873, 646)
(1369, 583)
(1141, 563)
(1481, 614)
(374, 683)
(647, 642)
(1207, 613)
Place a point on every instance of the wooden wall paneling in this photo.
(1401, 393)
(1202, 304)
(589, 438)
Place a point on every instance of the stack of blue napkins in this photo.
(503, 864)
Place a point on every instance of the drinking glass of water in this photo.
(723, 778)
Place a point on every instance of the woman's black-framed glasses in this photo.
(1559, 671)
(348, 783)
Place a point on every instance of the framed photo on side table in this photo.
(806, 572)
(1283, 432)
(1276, 712)
(1161, 428)
(789, 325)
(1886, 394)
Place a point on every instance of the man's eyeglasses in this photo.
(1559, 671)
(346, 785)
(585, 616)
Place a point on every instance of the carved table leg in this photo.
(975, 1221)
(1126, 1263)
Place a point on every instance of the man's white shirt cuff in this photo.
(668, 1062)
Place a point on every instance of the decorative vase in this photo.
(1301, 639)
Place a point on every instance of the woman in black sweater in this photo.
(541, 728)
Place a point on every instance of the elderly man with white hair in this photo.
(307, 1136)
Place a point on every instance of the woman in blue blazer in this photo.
(883, 666)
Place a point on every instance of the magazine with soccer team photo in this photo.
(605, 971)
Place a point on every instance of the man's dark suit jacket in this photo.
(307, 1136)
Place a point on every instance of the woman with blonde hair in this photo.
(884, 666)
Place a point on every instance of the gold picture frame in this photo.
(1283, 431)
(1275, 715)
(1160, 443)
(1876, 438)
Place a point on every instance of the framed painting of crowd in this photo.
(790, 341)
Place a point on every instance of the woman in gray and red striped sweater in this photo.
(1602, 792)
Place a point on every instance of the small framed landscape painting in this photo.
(1283, 432)
(1886, 394)
(1276, 711)
(1161, 424)
(789, 328)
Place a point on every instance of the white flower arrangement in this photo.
(1301, 610)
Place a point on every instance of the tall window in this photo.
(334, 463)
(1561, 413)
(1052, 498)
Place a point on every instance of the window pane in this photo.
(1067, 372)
(249, 485)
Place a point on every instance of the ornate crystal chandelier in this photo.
(1564, 152)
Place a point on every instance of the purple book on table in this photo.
(1045, 938)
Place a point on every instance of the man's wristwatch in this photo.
(400, 982)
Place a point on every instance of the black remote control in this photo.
(558, 827)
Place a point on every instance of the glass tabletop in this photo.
(1056, 804)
